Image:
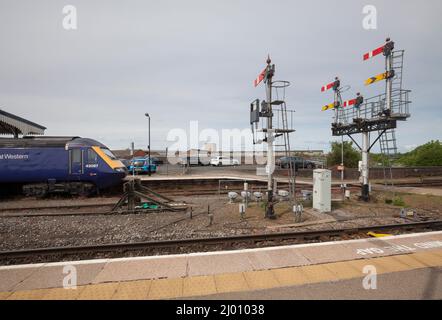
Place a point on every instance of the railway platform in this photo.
(233, 177)
(275, 272)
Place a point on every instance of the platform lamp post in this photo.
(148, 146)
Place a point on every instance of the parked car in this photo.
(126, 163)
(156, 161)
(296, 162)
(224, 161)
(191, 161)
(141, 165)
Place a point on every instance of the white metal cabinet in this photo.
(322, 190)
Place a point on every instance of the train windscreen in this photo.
(109, 154)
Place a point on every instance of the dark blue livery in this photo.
(58, 164)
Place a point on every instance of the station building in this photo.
(11, 124)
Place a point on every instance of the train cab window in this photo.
(109, 153)
(92, 157)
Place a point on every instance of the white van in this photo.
(224, 161)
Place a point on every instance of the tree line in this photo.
(428, 154)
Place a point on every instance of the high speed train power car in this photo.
(74, 165)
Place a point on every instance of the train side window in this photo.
(92, 156)
(75, 161)
(76, 156)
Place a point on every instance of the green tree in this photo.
(351, 155)
(377, 159)
(429, 154)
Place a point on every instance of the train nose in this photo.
(122, 172)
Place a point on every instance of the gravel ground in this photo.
(23, 202)
(46, 231)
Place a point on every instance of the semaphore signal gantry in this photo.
(376, 114)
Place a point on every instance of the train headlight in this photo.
(120, 170)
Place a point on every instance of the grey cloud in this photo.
(196, 60)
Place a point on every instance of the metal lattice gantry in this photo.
(373, 115)
(376, 114)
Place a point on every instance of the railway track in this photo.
(37, 212)
(203, 244)
(57, 210)
(429, 183)
(69, 210)
(8, 211)
(70, 206)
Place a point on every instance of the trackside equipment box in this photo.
(322, 190)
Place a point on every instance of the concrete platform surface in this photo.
(204, 274)
(417, 284)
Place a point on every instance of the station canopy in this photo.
(11, 124)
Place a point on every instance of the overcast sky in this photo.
(196, 60)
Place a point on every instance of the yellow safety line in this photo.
(234, 282)
(378, 235)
